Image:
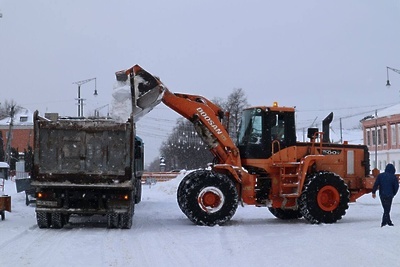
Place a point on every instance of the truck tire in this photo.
(57, 220)
(112, 220)
(125, 220)
(210, 198)
(43, 219)
(138, 196)
(285, 214)
(325, 198)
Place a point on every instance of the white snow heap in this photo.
(121, 106)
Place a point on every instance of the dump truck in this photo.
(86, 166)
(267, 166)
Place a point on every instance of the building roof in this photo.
(395, 109)
(22, 117)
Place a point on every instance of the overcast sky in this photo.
(319, 56)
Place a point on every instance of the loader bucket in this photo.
(146, 90)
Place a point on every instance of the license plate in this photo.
(47, 203)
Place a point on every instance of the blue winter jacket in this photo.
(387, 182)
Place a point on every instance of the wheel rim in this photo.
(328, 198)
(211, 199)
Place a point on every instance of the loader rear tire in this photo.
(325, 198)
(211, 198)
(285, 214)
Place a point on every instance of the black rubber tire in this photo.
(204, 181)
(309, 204)
(138, 196)
(43, 219)
(125, 220)
(57, 220)
(112, 220)
(285, 214)
(182, 189)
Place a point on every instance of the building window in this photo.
(394, 135)
(379, 136)
(373, 137)
(23, 118)
(368, 137)
(384, 136)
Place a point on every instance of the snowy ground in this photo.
(162, 236)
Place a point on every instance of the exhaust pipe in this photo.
(325, 128)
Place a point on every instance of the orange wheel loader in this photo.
(267, 167)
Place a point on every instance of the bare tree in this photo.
(235, 104)
(8, 110)
(184, 149)
(5, 108)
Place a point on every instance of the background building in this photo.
(381, 135)
(21, 131)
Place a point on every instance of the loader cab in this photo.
(265, 130)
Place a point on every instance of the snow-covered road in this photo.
(162, 236)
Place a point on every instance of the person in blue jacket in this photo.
(388, 186)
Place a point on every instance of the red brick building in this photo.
(22, 130)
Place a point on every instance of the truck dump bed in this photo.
(83, 151)
(86, 166)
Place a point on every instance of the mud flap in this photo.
(5, 203)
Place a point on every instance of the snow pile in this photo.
(161, 235)
(121, 106)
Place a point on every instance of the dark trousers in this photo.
(386, 204)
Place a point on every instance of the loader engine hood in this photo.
(136, 91)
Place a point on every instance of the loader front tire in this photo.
(182, 189)
(325, 198)
(210, 198)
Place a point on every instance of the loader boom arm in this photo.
(204, 114)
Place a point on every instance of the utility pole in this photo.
(79, 99)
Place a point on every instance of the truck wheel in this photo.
(325, 198)
(211, 198)
(285, 214)
(57, 220)
(43, 219)
(125, 220)
(112, 220)
(138, 196)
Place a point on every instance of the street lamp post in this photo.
(79, 99)
(387, 74)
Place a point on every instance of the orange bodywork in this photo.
(287, 168)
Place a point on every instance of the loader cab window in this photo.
(251, 136)
(281, 128)
(278, 129)
(258, 130)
